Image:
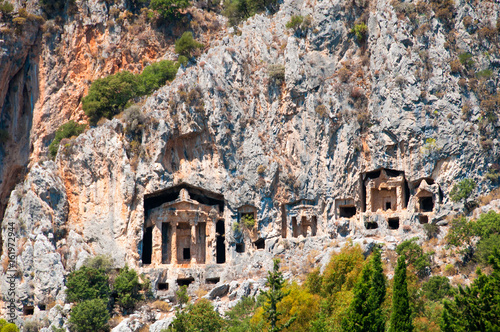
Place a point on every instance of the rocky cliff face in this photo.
(293, 126)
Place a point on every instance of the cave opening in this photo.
(393, 223)
(260, 244)
(347, 211)
(220, 239)
(147, 245)
(371, 225)
(426, 204)
(185, 281)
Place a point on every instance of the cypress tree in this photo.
(376, 321)
(365, 313)
(401, 312)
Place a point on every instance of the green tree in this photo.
(127, 287)
(87, 284)
(169, 9)
(89, 315)
(401, 320)
(238, 318)
(476, 307)
(67, 130)
(182, 296)
(365, 311)
(274, 296)
(108, 96)
(186, 44)
(343, 270)
(436, 288)
(196, 318)
(415, 256)
(462, 190)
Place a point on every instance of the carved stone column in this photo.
(174, 243)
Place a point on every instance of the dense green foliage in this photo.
(87, 284)
(108, 96)
(295, 22)
(485, 230)
(238, 318)
(360, 31)
(9, 327)
(6, 7)
(169, 9)
(127, 287)
(436, 288)
(415, 256)
(239, 10)
(67, 130)
(89, 315)
(198, 317)
(476, 307)
(401, 320)
(186, 44)
(462, 190)
(181, 295)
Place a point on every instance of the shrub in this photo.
(248, 220)
(127, 288)
(169, 9)
(181, 295)
(6, 8)
(444, 10)
(361, 31)
(415, 256)
(186, 44)
(10, 327)
(462, 190)
(295, 22)
(276, 72)
(436, 288)
(108, 96)
(89, 315)
(198, 317)
(486, 73)
(155, 76)
(431, 230)
(3, 322)
(261, 169)
(87, 284)
(455, 66)
(99, 262)
(466, 59)
(67, 130)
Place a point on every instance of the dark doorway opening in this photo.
(162, 286)
(371, 225)
(295, 227)
(185, 281)
(220, 245)
(240, 247)
(147, 245)
(426, 204)
(423, 219)
(186, 253)
(28, 310)
(387, 206)
(393, 223)
(42, 307)
(347, 211)
(260, 244)
(212, 280)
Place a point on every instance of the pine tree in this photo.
(401, 312)
(365, 313)
(274, 295)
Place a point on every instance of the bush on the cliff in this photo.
(87, 284)
(6, 8)
(155, 76)
(169, 9)
(53, 8)
(90, 315)
(127, 287)
(108, 96)
(239, 10)
(186, 45)
(67, 130)
(462, 190)
(198, 317)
